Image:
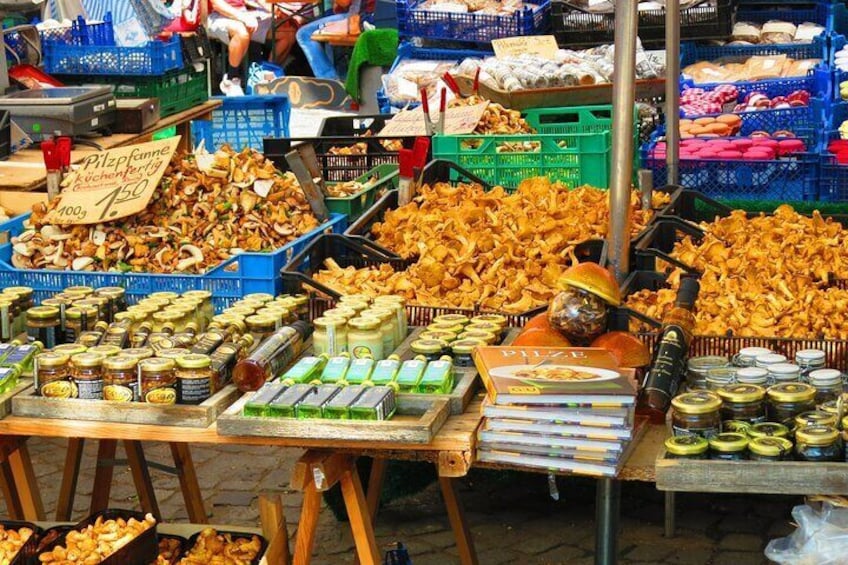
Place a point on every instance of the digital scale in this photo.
(72, 111)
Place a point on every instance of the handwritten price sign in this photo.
(458, 121)
(113, 184)
(544, 46)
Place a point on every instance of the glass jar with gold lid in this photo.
(388, 327)
(120, 378)
(262, 297)
(172, 353)
(365, 338)
(736, 426)
(498, 319)
(399, 304)
(818, 443)
(447, 337)
(117, 298)
(195, 378)
(260, 327)
(138, 352)
(300, 306)
(281, 313)
(696, 413)
(240, 311)
(489, 337)
(430, 349)
(52, 375)
(485, 326)
(99, 302)
(79, 319)
(164, 295)
(729, 446)
(79, 291)
(815, 418)
(153, 302)
(168, 322)
(768, 429)
(743, 402)
(43, 325)
(446, 327)
(206, 308)
(686, 447)
(105, 350)
(330, 336)
(25, 295)
(340, 312)
(70, 349)
(462, 349)
(356, 305)
(87, 375)
(787, 400)
(158, 381)
(454, 319)
(769, 449)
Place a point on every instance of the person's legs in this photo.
(234, 33)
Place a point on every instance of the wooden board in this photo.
(6, 397)
(202, 415)
(410, 424)
(763, 477)
(465, 378)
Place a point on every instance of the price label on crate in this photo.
(113, 184)
(458, 121)
(544, 46)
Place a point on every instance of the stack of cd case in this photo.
(327, 401)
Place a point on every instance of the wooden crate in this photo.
(193, 416)
(412, 423)
(763, 477)
(6, 397)
(466, 381)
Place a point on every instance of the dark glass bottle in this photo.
(275, 354)
(669, 364)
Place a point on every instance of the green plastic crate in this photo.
(354, 205)
(573, 146)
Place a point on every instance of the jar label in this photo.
(59, 389)
(89, 389)
(121, 393)
(705, 433)
(194, 390)
(361, 351)
(161, 395)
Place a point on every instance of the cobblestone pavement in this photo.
(512, 517)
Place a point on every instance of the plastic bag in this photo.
(821, 537)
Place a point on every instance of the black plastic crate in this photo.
(574, 27)
(142, 549)
(5, 135)
(836, 350)
(196, 46)
(234, 535)
(353, 125)
(347, 252)
(26, 553)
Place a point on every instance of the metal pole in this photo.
(672, 89)
(607, 510)
(623, 97)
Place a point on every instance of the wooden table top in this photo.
(24, 170)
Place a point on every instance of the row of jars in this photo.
(456, 336)
(262, 314)
(363, 326)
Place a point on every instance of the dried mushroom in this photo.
(495, 119)
(97, 541)
(11, 542)
(201, 214)
(767, 276)
(213, 548)
(491, 249)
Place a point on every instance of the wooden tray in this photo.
(412, 423)
(193, 416)
(6, 397)
(466, 380)
(765, 477)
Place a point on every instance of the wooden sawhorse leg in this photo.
(26, 486)
(459, 525)
(14, 509)
(70, 476)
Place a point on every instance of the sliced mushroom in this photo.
(81, 263)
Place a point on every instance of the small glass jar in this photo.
(25, 295)
(388, 327)
(240, 311)
(832, 407)
(828, 383)
(117, 298)
(105, 350)
(814, 418)
(158, 381)
(168, 322)
(447, 337)
(769, 429)
(769, 449)
(399, 304)
(462, 349)
(455, 319)
(43, 325)
(736, 426)
(280, 313)
(164, 295)
(138, 352)
(195, 378)
(365, 338)
(172, 353)
(490, 327)
(785, 401)
(330, 336)
(720, 377)
(729, 447)
(446, 327)
(488, 337)
(686, 447)
(768, 359)
(752, 376)
(340, 312)
(52, 375)
(99, 302)
(810, 360)
(7, 319)
(747, 356)
(696, 413)
(431, 349)
(498, 319)
(353, 298)
(80, 291)
(818, 443)
(780, 373)
(79, 319)
(300, 306)
(87, 375)
(356, 305)
(120, 379)
(207, 309)
(697, 367)
(260, 327)
(70, 349)
(743, 402)
(262, 297)
(245, 303)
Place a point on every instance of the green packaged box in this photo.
(385, 371)
(8, 379)
(335, 370)
(305, 370)
(285, 405)
(261, 399)
(338, 408)
(22, 357)
(410, 374)
(359, 370)
(376, 403)
(437, 378)
(312, 406)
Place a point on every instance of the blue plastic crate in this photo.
(416, 21)
(244, 121)
(242, 274)
(152, 58)
(818, 83)
(805, 119)
(409, 51)
(795, 12)
(705, 52)
(781, 179)
(837, 42)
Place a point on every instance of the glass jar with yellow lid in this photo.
(768, 429)
(818, 443)
(356, 305)
(388, 327)
(455, 319)
(283, 314)
(248, 303)
(25, 294)
(7, 319)
(156, 304)
(52, 373)
(736, 426)
(79, 319)
(446, 327)
(430, 349)
(743, 402)
(300, 306)
(205, 297)
(100, 302)
(815, 418)
(87, 375)
(240, 311)
(492, 327)
(172, 353)
(769, 449)
(81, 291)
(340, 312)
(787, 400)
(262, 297)
(70, 349)
(498, 319)
(364, 338)
(138, 352)
(195, 378)
(448, 337)
(260, 327)
(105, 350)
(696, 413)
(158, 381)
(164, 295)
(399, 304)
(120, 378)
(43, 325)
(489, 337)
(729, 446)
(834, 407)
(330, 336)
(686, 447)
(117, 297)
(168, 322)
(223, 320)
(355, 298)
(462, 349)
